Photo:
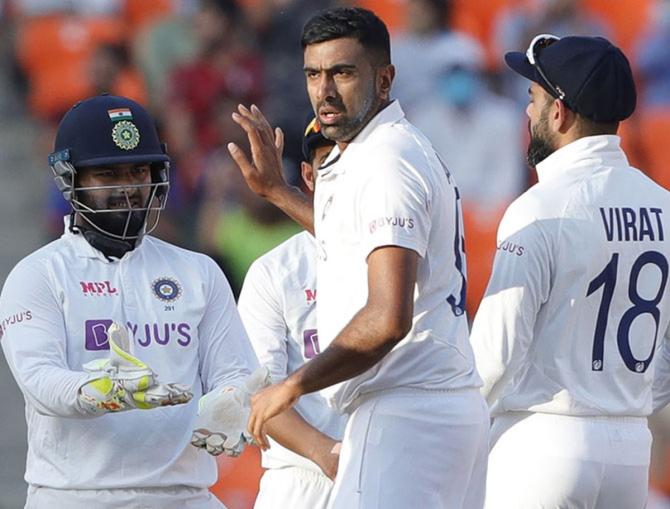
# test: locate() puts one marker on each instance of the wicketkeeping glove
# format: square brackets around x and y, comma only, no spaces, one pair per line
[223,414]
[124,382]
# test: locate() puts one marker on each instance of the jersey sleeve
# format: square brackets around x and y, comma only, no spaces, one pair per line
[502,331]
[226,356]
[33,338]
[261,309]
[393,205]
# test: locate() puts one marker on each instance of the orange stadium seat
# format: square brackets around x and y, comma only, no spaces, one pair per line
[54,51]
[478,19]
[628,20]
[239,478]
[392,12]
[654,137]
[140,13]
[480,249]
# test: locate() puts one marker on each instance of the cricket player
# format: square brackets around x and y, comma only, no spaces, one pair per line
[577,306]
[395,354]
[278,309]
[109,332]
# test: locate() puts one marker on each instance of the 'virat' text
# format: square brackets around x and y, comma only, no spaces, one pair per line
[628,224]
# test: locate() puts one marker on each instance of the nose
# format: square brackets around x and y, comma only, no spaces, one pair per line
[325,87]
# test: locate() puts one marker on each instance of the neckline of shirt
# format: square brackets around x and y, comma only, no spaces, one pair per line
[584,152]
[85,250]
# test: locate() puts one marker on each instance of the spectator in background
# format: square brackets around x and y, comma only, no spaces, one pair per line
[523,19]
[279,25]
[476,132]
[428,26]
[164,45]
[226,66]
[110,71]
[653,59]
[234,226]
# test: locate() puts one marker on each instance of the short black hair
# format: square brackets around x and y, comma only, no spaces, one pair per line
[355,22]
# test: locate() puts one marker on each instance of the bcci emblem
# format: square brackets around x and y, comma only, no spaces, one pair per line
[125,135]
[166,289]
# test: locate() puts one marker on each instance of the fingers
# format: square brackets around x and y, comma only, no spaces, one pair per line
[215,443]
[240,158]
[256,428]
[263,124]
[259,123]
[244,119]
[279,141]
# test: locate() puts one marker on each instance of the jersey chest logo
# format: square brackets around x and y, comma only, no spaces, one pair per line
[98,288]
[166,289]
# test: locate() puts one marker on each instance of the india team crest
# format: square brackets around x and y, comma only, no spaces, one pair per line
[166,289]
[125,135]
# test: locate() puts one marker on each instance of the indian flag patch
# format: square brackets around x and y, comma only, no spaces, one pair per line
[120,114]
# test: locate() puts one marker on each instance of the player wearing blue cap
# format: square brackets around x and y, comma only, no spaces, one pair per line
[90,321]
[567,336]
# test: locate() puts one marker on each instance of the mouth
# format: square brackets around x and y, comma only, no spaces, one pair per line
[329,116]
[122,203]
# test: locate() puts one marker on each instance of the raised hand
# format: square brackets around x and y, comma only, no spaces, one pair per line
[263,173]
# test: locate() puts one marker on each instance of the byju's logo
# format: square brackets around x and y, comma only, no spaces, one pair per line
[311,339]
[96,334]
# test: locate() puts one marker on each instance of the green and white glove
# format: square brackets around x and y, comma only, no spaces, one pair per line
[223,415]
[124,382]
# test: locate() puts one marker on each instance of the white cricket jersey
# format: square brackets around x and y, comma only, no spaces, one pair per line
[389,188]
[55,308]
[278,309]
[577,305]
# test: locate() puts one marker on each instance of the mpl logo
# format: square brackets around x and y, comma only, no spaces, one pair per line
[310,295]
[96,334]
[98,288]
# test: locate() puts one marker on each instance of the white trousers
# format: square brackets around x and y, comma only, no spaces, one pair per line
[293,488]
[564,462]
[414,449]
[178,497]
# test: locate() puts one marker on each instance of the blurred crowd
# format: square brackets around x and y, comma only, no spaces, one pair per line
[192,61]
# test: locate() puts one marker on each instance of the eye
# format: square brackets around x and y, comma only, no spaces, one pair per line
[311,74]
[140,170]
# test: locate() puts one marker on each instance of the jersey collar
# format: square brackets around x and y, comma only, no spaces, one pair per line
[587,152]
[83,249]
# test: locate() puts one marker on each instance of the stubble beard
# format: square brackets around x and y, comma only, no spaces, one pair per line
[541,144]
[113,222]
[349,127]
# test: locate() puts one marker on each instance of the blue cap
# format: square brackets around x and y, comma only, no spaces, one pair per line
[594,74]
[107,129]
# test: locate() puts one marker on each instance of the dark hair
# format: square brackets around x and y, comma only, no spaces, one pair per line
[355,22]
